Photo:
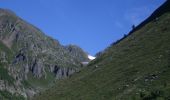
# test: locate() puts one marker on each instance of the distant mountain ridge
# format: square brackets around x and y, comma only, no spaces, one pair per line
[31,59]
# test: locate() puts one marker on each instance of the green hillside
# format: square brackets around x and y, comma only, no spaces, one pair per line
[135,68]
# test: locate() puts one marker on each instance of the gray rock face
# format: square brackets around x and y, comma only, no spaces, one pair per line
[3,57]
[30,93]
[63,72]
[26,71]
[38,68]
[20,57]
[28,52]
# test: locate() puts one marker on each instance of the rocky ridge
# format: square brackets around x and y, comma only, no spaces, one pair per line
[26,53]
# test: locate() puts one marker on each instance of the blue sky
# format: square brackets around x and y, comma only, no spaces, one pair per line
[91,24]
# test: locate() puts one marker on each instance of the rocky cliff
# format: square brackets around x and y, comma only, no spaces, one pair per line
[28,55]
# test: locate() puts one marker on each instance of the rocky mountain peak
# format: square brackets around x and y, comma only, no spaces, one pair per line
[29,54]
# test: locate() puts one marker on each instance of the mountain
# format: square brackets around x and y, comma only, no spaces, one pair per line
[136,67]
[77,52]
[30,61]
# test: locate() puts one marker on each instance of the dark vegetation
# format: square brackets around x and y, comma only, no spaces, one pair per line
[5,76]
[5,95]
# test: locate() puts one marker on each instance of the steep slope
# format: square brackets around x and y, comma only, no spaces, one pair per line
[29,60]
[135,68]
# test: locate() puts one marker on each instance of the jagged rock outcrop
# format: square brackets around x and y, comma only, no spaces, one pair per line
[29,54]
[63,72]
[38,68]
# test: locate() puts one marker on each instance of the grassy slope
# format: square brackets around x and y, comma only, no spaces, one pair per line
[138,67]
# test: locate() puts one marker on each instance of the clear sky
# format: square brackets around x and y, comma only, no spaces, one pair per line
[91,24]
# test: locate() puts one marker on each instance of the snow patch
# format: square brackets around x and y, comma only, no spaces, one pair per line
[91,57]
